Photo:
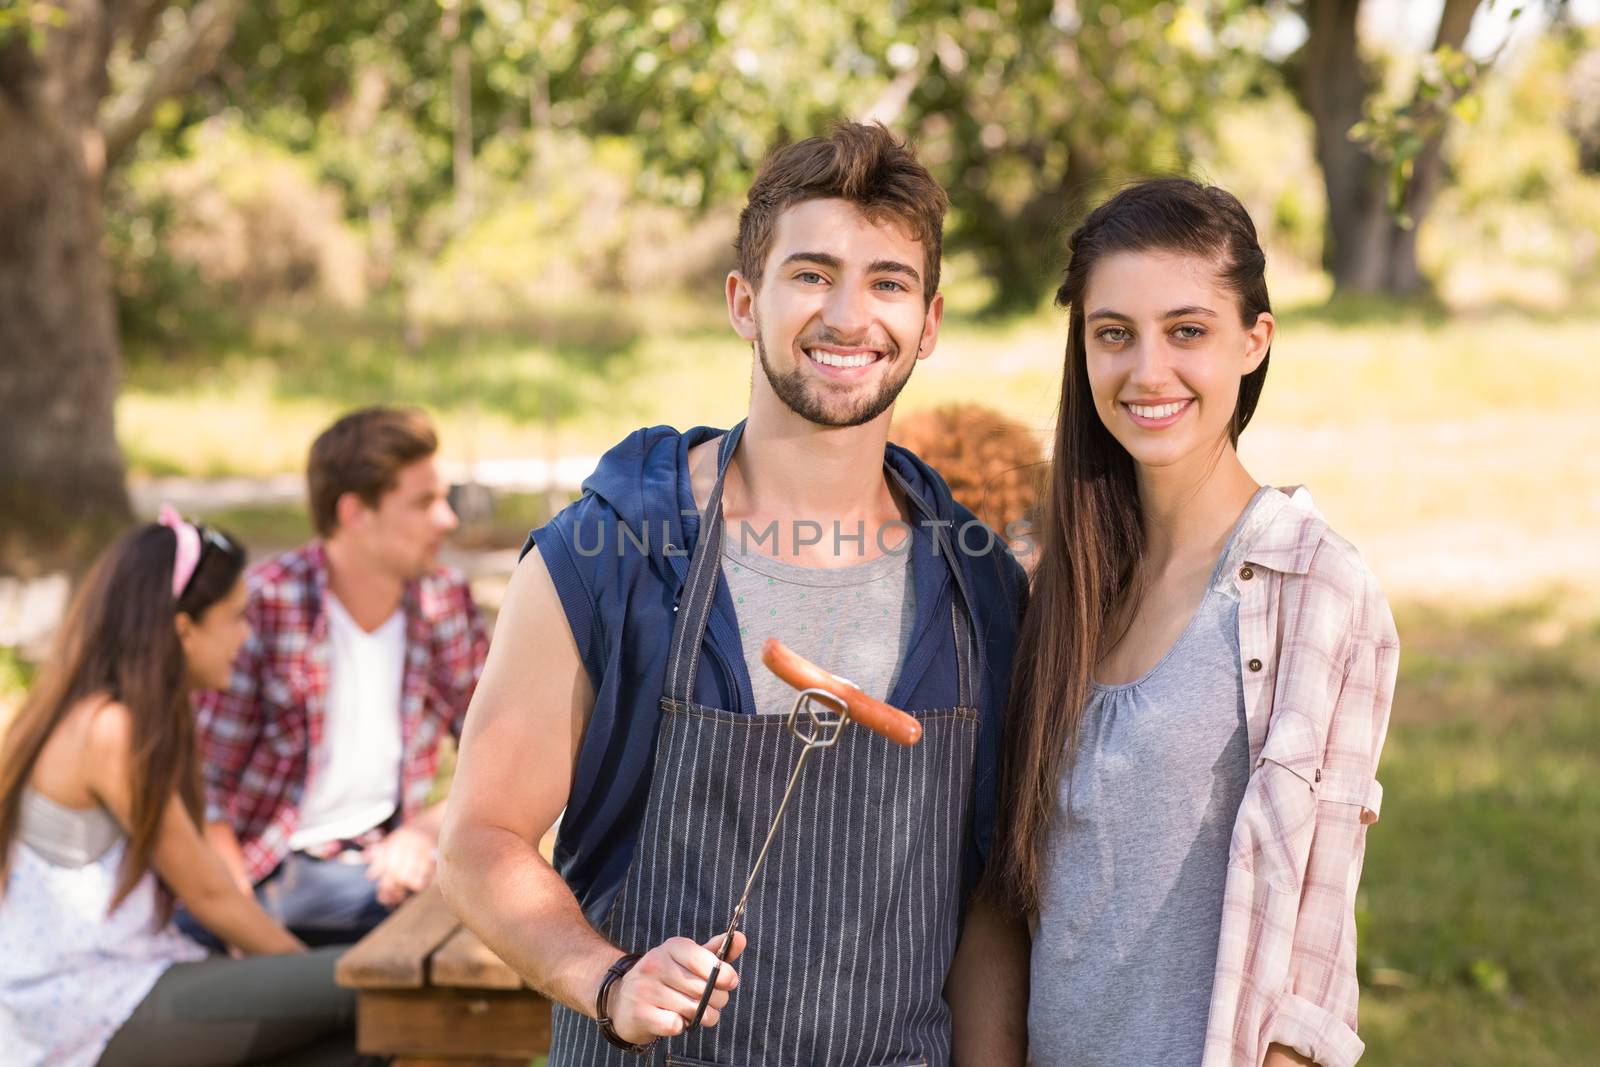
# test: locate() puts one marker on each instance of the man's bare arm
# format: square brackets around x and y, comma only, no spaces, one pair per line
[512,780]
[988,989]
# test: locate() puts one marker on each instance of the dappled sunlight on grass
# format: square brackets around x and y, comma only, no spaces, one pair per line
[1478,945]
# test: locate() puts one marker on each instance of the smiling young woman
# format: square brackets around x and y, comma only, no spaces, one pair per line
[1203,679]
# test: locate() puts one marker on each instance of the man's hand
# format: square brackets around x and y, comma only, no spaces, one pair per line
[659,996]
[402,864]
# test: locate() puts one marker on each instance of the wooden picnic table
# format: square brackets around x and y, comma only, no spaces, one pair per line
[431,995]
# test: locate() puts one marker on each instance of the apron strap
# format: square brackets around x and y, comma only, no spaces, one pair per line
[966,653]
[693,608]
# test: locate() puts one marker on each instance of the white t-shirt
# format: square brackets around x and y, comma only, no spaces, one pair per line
[353,781]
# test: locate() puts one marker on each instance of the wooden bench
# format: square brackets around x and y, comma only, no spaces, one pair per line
[431,995]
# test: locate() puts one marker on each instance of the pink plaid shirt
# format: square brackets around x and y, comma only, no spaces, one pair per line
[1319,655]
[256,736]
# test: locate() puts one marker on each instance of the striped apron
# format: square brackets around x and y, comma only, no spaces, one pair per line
[853,921]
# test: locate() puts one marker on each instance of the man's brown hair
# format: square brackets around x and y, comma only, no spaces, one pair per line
[864,164]
[363,453]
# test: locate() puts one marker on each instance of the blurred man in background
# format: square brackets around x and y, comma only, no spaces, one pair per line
[320,756]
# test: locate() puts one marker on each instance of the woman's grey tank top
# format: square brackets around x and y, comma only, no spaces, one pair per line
[66,837]
[1131,906]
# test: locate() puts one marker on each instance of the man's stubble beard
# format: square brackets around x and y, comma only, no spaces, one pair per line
[791,388]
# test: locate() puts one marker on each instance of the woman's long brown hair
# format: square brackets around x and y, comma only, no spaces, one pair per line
[1091,529]
[119,642]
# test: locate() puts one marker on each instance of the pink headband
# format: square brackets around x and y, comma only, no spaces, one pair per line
[188,555]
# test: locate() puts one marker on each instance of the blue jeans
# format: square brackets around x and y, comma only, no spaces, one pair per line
[322,902]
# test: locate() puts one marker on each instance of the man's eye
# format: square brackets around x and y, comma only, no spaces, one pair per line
[894,286]
[810,277]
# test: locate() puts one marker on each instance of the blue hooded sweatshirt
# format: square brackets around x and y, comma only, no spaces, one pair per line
[619,556]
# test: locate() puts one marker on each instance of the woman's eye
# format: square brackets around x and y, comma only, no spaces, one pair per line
[1190,333]
[1115,335]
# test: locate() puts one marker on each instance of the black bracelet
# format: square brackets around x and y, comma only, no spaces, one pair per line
[603,1018]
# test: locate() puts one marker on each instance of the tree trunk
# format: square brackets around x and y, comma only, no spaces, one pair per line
[1365,247]
[61,470]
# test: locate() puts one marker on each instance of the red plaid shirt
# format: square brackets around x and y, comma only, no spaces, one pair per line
[1319,656]
[256,736]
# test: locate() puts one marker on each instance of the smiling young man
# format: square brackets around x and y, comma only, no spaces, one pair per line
[625,688]
[320,756]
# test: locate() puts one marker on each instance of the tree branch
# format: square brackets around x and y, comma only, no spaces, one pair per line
[136,22]
[180,62]
[1454,22]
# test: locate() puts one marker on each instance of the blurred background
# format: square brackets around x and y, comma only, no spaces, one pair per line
[222,223]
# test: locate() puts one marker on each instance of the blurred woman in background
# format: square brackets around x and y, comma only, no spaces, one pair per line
[100,830]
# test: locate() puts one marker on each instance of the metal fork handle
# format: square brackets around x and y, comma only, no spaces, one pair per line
[820,736]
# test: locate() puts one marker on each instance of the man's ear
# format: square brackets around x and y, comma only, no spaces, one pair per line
[742,306]
[350,508]
[930,326]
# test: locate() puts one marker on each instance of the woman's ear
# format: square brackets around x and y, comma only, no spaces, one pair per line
[185,627]
[1258,341]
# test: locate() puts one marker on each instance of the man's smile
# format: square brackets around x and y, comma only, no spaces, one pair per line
[843,363]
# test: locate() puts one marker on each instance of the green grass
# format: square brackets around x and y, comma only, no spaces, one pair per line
[1479,940]
[247,402]
[268,528]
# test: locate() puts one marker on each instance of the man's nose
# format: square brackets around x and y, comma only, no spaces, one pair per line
[847,314]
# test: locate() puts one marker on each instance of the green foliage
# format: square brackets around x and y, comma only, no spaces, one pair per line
[16,674]
[1397,132]
[568,232]
[1031,112]
[1260,150]
[602,135]
[234,222]
[29,19]
[1521,220]
[1027,109]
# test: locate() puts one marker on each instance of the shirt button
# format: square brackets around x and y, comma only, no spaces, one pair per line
[1246,573]
[1255,665]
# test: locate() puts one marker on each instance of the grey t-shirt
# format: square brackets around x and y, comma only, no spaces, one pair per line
[853,621]
[1131,904]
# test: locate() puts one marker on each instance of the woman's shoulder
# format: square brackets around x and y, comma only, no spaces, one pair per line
[1334,578]
[95,733]
[108,729]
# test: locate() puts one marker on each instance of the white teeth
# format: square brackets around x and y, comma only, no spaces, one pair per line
[829,359]
[1159,411]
